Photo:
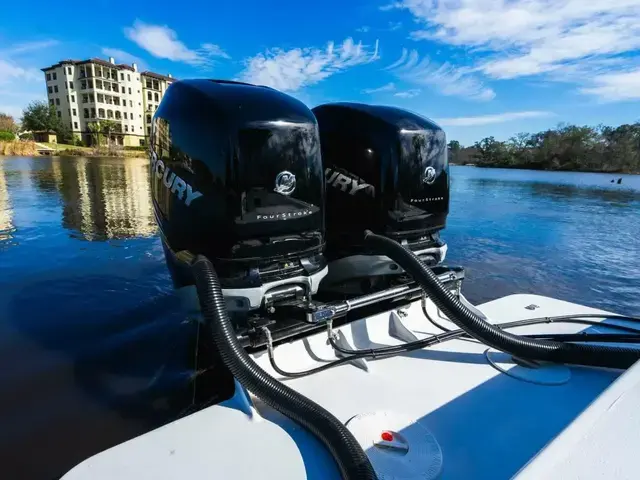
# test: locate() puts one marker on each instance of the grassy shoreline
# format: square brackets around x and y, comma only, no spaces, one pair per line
[30,149]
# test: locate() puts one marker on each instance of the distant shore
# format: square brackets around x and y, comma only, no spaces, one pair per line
[522,167]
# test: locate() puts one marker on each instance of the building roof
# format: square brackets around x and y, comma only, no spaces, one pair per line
[105,63]
[158,76]
[98,61]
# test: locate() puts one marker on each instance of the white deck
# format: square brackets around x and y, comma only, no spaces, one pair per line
[488,424]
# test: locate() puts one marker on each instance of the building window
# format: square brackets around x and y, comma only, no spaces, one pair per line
[128,77]
[149,96]
[125,115]
[100,98]
[142,142]
[90,83]
[75,125]
[73,112]
[148,130]
[55,88]
[122,77]
[85,98]
[69,70]
[148,83]
[98,71]
[129,90]
[86,113]
[48,77]
[83,84]
[101,112]
[107,86]
[108,99]
[54,76]
[148,118]
[70,84]
[156,86]
[155,97]
[131,103]
[92,98]
[82,73]
[69,111]
[67,98]
[57,101]
[50,89]
[126,128]
[73,98]
[99,84]
[116,101]
[116,89]
[59,114]
[118,116]
[51,102]
[109,113]
[93,113]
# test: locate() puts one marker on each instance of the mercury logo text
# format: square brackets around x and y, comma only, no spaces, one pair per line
[348,183]
[173,182]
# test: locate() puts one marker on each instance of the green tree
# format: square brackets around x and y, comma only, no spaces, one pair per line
[454,151]
[96,133]
[108,127]
[40,116]
[491,152]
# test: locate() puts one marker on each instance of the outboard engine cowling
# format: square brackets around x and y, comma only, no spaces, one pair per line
[236,175]
[386,170]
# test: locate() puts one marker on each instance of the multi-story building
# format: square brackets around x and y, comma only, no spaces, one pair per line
[86,91]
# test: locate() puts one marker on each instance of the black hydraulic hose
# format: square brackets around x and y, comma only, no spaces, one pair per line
[352,461]
[478,328]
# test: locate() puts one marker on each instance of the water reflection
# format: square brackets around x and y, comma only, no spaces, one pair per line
[102,198]
[612,194]
[6,210]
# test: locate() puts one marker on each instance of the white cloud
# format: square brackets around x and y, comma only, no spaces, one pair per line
[162,42]
[10,71]
[529,37]
[389,87]
[412,92]
[446,78]
[21,83]
[393,26]
[32,46]
[291,70]
[121,56]
[615,86]
[363,29]
[491,119]
[214,50]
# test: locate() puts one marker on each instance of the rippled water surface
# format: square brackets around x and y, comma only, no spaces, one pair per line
[94,348]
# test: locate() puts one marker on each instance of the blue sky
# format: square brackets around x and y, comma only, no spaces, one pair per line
[478,67]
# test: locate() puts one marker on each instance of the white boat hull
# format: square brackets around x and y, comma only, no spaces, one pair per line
[486,423]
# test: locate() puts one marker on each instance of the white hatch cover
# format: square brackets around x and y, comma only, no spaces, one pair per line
[398,446]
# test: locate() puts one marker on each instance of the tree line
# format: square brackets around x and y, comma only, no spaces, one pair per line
[566,147]
[40,116]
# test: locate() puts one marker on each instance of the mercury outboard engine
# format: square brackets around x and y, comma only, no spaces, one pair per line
[236,176]
[386,170]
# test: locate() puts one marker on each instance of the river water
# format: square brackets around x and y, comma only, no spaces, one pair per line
[95,350]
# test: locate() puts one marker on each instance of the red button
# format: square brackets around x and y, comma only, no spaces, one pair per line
[387,436]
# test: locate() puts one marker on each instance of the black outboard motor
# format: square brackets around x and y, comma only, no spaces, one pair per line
[236,175]
[386,170]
